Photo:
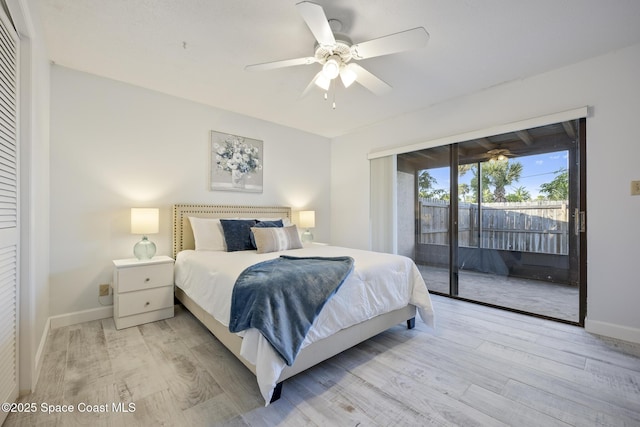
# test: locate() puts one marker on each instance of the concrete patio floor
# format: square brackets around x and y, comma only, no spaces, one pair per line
[532,296]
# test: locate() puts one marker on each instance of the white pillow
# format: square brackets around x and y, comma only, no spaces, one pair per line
[207,233]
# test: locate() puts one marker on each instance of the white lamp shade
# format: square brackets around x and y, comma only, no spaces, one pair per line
[307,219]
[331,68]
[144,221]
[322,82]
[348,76]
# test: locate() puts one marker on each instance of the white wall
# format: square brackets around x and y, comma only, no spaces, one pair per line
[115,146]
[608,84]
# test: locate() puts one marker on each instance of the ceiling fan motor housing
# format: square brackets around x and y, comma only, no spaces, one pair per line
[342,49]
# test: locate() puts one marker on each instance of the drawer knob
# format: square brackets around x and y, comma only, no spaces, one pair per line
[146,304]
[147,280]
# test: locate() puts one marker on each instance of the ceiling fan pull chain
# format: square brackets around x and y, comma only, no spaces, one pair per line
[333,86]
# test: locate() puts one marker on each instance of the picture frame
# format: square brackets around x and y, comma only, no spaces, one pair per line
[236,163]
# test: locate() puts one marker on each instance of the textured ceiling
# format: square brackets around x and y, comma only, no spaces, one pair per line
[197,49]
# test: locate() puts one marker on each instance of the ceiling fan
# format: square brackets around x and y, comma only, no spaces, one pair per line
[335,51]
[499,154]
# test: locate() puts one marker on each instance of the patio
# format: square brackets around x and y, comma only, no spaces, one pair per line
[533,296]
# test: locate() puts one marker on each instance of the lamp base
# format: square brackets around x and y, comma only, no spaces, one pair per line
[144,249]
[307,237]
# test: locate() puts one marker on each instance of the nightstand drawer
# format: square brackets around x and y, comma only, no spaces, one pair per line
[145,301]
[145,277]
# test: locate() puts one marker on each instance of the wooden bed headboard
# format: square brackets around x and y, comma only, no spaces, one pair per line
[183,235]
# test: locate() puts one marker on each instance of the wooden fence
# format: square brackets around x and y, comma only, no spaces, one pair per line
[539,226]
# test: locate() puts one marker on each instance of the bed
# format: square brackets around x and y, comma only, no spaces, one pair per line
[204,280]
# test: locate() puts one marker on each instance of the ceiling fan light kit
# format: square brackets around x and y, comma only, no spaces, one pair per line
[499,154]
[334,52]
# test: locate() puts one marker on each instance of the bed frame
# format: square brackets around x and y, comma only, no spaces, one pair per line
[308,356]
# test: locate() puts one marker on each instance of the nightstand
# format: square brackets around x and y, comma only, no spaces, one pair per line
[142,290]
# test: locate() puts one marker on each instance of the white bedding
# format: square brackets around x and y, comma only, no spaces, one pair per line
[379,283]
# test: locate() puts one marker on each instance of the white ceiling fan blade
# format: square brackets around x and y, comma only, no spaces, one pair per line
[317,21]
[393,43]
[280,64]
[368,80]
[311,84]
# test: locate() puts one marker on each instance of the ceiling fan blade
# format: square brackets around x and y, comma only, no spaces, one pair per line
[393,43]
[317,21]
[280,64]
[310,86]
[368,80]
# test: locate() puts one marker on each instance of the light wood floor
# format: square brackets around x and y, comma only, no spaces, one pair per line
[479,367]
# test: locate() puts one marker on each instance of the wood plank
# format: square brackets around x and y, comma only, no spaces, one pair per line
[280,413]
[387,404]
[234,378]
[215,411]
[506,410]
[159,409]
[188,380]
[452,358]
[566,410]
[624,392]
[57,340]
[604,350]
[624,381]
[100,393]
[190,330]
[88,364]
[322,405]
[526,341]
[403,360]
[440,407]
[587,396]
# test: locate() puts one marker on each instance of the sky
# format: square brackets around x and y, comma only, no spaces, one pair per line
[536,170]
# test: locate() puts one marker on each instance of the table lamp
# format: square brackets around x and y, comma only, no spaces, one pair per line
[307,219]
[144,221]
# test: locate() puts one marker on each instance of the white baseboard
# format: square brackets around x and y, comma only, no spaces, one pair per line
[81,316]
[612,330]
[39,353]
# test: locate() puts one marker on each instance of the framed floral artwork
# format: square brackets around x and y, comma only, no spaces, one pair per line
[236,163]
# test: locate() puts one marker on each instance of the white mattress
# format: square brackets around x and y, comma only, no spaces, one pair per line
[379,283]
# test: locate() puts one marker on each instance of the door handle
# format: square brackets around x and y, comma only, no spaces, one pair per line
[579,221]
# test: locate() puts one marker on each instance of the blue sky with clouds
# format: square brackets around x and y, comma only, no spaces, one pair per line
[536,170]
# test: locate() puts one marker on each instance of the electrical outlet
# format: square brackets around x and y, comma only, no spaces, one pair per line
[103,290]
[635,188]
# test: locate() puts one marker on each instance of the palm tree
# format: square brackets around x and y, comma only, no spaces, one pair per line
[520,195]
[500,174]
[463,190]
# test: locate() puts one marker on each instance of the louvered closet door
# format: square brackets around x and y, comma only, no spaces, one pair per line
[9,233]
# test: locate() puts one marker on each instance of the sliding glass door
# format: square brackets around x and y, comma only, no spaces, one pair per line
[500,220]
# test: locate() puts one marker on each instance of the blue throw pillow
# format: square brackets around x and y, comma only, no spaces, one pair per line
[265,224]
[237,234]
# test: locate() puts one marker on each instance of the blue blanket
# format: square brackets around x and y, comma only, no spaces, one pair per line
[282,297]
